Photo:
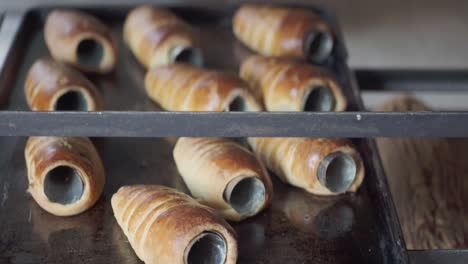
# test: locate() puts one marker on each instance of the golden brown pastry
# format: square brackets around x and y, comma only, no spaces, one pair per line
[54,86]
[158,37]
[284,32]
[223,175]
[167,226]
[65,174]
[322,166]
[285,85]
[182,87]
[80,39]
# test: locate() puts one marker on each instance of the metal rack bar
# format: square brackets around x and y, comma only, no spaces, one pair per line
[412,80]
[452,256]
[280,124]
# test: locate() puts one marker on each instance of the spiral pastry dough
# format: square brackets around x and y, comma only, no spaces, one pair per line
[224,176]
[53,86]
[285,85]
[80,39]
[322,166]
[65,174]
[182,87]
[284,32]
[158,37]
[166,226]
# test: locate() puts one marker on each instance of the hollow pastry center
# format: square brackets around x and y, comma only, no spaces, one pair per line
[63,185]
[90,52]
[237,105]
[320,99]
[186,54]
[206,248]
[71,101]
[246,195]
[318,45]
[337,172]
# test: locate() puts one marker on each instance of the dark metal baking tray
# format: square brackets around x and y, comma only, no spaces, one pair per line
[297,228]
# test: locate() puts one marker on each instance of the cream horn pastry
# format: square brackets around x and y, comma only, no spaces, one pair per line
[65,174]
[54,86]
[322,166]
[183,87]
[167,226]
[81,40]
[223,175]
[157,37]
[286,85]
[284,32]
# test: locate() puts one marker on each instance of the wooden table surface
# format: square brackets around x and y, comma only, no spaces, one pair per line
[429,183]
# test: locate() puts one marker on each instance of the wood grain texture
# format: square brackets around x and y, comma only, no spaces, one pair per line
[44,154]
[64,30]
[209,165]
[428,181]
[161,222]
[182,87]
[276,31]
[47,80]
[152,33]
[296,160]
[284,85]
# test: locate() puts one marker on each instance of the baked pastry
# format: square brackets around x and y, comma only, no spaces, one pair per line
[80,39]
[284,32]
[65,174]
[167,226]
[323,166]
[285,85]
[182,87]
[223,175]
[158,37]
[54,86]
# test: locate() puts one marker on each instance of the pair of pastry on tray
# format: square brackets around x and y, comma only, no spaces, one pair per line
[158,37]
[77,42]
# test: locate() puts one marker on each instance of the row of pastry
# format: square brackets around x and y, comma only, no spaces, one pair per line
[168,46]
[66,175]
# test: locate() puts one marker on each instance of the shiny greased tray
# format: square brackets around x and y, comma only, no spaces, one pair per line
[297,228]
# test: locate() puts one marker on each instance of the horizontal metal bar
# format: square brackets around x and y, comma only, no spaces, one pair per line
[266,124]
[27,4]
[412,80]
[450,256]
[437,101]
